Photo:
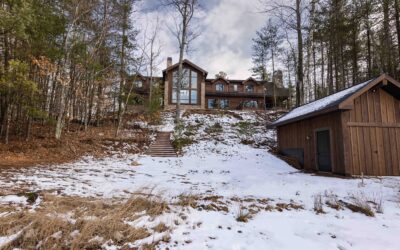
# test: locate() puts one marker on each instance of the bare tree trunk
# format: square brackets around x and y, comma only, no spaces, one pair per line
[122,75]
[397,16]
[273,75]
[388,66]
[300,75]
[180,69]
[60,116]
[7,118]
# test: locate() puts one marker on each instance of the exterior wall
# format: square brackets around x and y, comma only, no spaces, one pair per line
[235,98]
[301,135]
[373,131]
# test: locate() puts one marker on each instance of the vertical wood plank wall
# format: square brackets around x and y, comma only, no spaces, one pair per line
[294,135]
[373,131]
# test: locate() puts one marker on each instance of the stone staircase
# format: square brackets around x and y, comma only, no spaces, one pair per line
[162,147]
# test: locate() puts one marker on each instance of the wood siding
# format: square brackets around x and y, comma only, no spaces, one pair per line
[373,131]
[301,135]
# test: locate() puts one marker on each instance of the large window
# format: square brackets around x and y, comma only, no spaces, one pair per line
[218,104]
[250,104]
[249,88]
[219,86]
[188,93]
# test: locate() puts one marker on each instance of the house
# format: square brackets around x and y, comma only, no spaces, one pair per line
[200,92]
[353,132]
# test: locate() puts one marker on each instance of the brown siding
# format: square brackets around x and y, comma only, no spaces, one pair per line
[301,134]
[373,130]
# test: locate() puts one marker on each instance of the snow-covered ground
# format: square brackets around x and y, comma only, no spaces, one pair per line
[229,159]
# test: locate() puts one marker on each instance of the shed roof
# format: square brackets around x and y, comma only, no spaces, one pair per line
[331,102]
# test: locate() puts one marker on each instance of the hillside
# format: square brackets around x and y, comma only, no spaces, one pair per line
[226,191]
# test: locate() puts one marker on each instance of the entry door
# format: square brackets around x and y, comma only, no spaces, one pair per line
[324,151]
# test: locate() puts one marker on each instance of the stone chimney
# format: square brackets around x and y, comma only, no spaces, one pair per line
[169,62]
[278,78]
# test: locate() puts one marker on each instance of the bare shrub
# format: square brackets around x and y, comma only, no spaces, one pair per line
[318,204]
[377,201]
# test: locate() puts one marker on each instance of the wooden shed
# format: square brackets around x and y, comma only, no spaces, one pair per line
[353,132]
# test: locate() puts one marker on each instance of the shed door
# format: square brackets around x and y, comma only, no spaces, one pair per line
[324,151]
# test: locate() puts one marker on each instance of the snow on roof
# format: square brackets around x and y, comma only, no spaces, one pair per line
[321,104]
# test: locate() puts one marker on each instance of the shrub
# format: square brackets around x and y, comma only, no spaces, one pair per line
[244,128]
[180,143]
[214,129]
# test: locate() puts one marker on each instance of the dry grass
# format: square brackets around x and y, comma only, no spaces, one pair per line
[318,204]
[187,200]
[243,215]
[361,204]
[331,200]
[160,228]
[209,203]
[79,223]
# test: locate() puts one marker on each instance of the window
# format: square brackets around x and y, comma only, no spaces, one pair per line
[219,87]
[223,104]
[188,93]
[218,104]
[138,84]
[235,87]
[249,88]
[212,104]
[250,104]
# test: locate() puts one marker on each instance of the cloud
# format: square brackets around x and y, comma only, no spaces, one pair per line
[227,28]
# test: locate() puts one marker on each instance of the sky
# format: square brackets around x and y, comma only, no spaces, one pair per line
[226,30]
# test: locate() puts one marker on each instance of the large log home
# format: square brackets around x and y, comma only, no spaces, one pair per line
[200,92]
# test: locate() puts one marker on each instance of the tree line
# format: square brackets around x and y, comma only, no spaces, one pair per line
[328,45]
[66,60]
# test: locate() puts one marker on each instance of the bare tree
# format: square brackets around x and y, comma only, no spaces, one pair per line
[152,55]
[186,10]
[290,14]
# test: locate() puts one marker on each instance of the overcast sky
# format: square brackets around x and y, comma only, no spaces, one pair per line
[227,27]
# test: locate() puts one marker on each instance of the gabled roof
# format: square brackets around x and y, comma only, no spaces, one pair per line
[219,79]
[188,63]
[251,79]
[338,101]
